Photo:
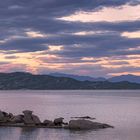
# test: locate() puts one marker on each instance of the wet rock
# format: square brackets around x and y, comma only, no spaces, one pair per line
[58,121]
[86,124]
[48,123]
[103,125]
[36,120]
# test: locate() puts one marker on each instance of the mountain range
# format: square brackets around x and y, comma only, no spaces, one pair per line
[21,80]
[78,77]
[128,78]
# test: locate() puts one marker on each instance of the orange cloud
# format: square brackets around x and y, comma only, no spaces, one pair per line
[108,14]
[131,34]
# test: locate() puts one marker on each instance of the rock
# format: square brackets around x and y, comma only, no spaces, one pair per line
[27,112]
[11,115]
[5,114]
[103,125]
[48,123]
[58,121]
[86,124]
[16,119]
[28,121]
[4,117]
[84,117]
[36,119]
[28,117]
[1,116]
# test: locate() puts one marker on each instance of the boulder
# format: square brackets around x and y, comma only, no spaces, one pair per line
[16,119]
[84,117]
[36,119]
[4,117]
[28,120]
[28,117]
[82,124]
[48,123]
[5,114]
[27,112]
[11,115]
[58,121]
[1,116]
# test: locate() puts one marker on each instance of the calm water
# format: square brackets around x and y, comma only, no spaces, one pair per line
[118,108]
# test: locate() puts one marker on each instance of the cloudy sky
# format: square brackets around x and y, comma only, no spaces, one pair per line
[85,37]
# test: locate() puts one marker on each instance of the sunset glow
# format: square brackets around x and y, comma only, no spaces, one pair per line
[95,39]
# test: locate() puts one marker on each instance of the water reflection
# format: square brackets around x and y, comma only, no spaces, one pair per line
[29,133]
[9,133]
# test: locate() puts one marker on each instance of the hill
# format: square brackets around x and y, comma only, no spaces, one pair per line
[129,78]
[78,77]
[19,80]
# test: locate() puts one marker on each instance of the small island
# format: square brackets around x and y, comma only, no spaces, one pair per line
[28,119]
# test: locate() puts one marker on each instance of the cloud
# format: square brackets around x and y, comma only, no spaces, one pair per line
[108,14]
[28,27]
[24,45]
[4,63]
[94,45]
[57,8]
[11,57]
[13,67]
[97,45]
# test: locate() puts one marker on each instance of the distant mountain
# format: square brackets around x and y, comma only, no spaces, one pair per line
[129,78]
[121,78]
[78,77]
[20,80]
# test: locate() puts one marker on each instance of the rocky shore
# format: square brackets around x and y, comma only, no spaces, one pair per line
[28,119]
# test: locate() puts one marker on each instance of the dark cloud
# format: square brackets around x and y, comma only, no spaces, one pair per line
[11,57]
[24,45]
[56,8]
[19,16]
[129,69]
[66,60]
[53,26]
[97,45]
[85,69]
[4,63]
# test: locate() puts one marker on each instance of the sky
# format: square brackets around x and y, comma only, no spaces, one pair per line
[100,38]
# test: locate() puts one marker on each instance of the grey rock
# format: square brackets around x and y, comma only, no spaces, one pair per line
[84,117]
[28,120]
[48,123]
[58,121]
[28,117]
[5,114]
[27,112]
[82,124]
[1,116]
[16,119]
[11,115]
[36,119]
[4,117]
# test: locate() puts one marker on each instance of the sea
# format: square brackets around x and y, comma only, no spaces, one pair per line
[119,108]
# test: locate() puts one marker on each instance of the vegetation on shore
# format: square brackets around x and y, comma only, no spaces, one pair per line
[20,80]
